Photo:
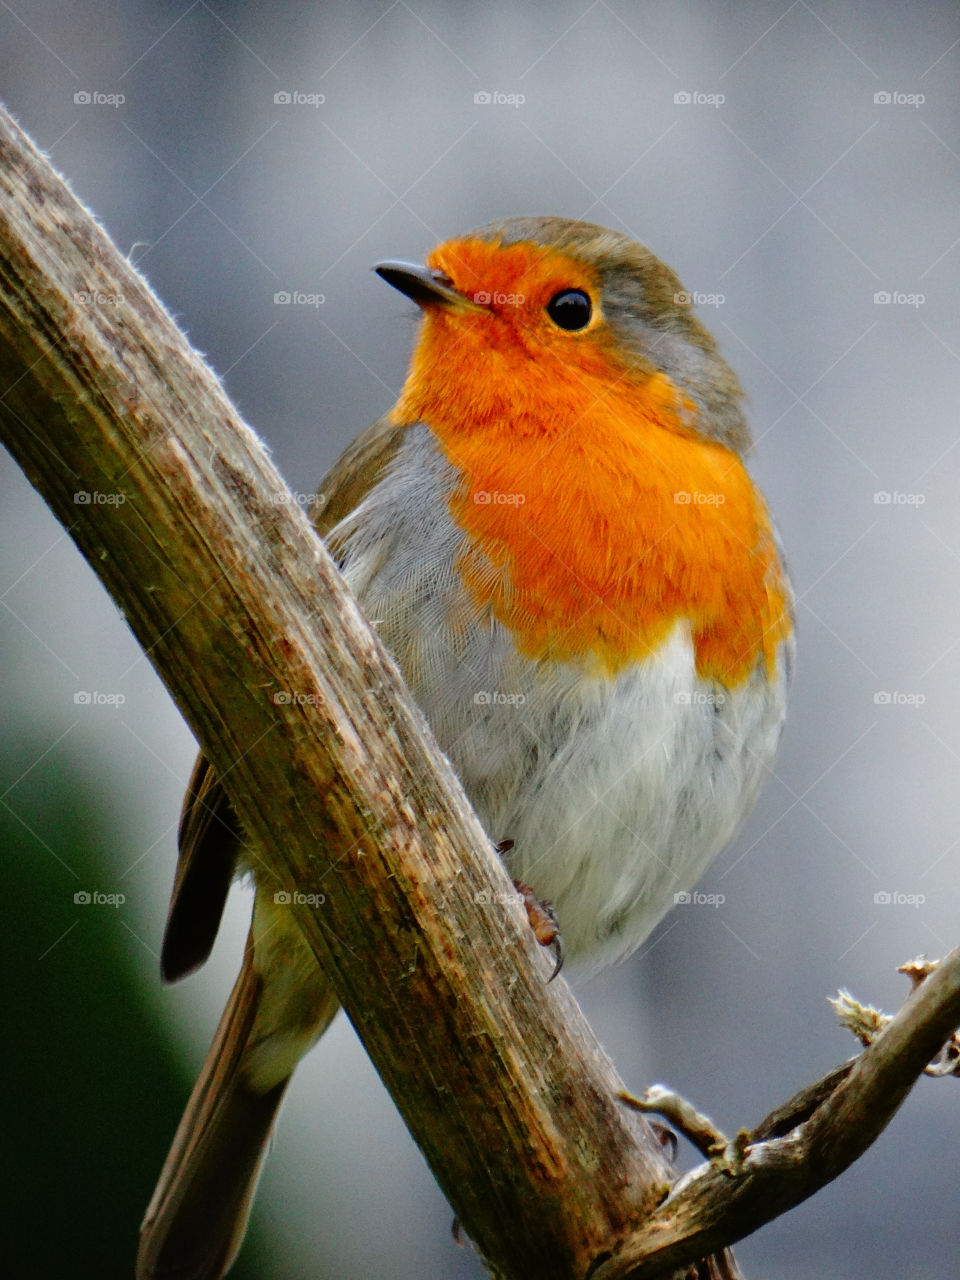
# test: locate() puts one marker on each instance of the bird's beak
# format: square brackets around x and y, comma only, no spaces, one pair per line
[425,287]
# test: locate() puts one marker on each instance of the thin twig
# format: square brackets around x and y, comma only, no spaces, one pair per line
[717,1204]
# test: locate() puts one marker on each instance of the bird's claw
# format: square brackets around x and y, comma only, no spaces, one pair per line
[544,923]
[541,915]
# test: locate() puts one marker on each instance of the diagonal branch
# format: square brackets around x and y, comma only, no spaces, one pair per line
[176,506]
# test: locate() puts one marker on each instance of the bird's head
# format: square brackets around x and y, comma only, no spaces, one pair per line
[526,314]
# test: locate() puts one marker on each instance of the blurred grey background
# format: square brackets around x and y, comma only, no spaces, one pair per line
[798,165]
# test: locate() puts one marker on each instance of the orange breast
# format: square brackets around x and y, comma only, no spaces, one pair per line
[597,517]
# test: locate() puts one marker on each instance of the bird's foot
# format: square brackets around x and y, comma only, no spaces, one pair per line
[541,915]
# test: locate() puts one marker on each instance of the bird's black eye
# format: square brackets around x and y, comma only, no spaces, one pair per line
[570,309]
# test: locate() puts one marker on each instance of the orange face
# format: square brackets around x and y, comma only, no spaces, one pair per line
[511,346]
[598,515]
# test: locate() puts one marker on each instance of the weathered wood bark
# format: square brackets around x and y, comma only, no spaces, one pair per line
[331,769]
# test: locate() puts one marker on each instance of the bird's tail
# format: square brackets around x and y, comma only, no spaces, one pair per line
[197,1217]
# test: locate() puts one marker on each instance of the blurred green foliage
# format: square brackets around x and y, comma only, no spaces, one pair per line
[92,1090]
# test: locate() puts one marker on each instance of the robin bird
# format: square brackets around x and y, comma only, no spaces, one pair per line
[556,536]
